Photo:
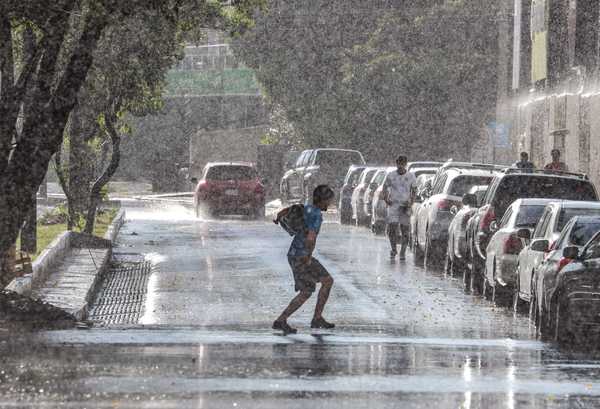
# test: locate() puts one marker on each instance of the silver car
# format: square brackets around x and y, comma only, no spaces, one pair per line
[555,217]
[505,245]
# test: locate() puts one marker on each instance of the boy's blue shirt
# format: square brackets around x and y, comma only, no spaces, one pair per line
[313,218]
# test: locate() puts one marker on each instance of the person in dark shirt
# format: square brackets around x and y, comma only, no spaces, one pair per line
[524,163]
[307,270]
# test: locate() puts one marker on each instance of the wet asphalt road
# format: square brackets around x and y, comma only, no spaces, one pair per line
[406,337]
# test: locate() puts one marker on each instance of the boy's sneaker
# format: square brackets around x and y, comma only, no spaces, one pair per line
[283,325]
[402,255]
[393,253]
[321,323]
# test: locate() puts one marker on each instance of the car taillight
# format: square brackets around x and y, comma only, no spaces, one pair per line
[444,205]
[487,219]
[512,245]
[563,262]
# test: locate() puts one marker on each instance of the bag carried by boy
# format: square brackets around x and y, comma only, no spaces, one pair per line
[291,219]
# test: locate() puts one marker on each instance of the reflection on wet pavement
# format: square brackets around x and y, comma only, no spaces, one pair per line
[406,337]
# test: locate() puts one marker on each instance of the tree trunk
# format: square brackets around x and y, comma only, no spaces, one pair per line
[62,180]
[110,119]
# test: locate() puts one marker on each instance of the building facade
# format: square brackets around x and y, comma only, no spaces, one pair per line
[550,95]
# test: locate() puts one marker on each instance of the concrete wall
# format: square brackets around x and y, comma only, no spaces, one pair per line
[224,145]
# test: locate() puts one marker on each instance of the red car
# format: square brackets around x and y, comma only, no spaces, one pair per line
[230,188]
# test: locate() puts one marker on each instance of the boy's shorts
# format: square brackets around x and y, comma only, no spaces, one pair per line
[306,277]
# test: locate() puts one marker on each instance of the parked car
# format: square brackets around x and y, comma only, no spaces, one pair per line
[434,216]
[315,167]
[358,196]
[379,207]
[457,252]
[554,218]
[508,186]
[372,187]
[549,307]
[229,188]
[422,190]
[350,182]
[505,245]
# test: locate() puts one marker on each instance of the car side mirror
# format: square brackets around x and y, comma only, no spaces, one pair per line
[194,181]
[494,226]
[524,234]
[571,252]
[540,245]
[469,199]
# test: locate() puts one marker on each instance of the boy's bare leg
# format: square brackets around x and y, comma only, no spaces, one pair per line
[326,284]
[294,305]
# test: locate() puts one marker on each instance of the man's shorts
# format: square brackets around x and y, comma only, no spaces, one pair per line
[306,277]
[398,213]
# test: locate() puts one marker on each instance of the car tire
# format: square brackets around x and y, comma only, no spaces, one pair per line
[518,304]
[345,215]
[259,212]
[197,211]
[448,269]
[431,256]
[561,333]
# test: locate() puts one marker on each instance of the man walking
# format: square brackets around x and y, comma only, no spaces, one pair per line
[524,163]
[556,164]
[307,270]
[398,194]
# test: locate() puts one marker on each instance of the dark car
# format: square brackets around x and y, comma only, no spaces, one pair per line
[566,300]
[350,183]
[435,215]
[510,185]
[457,254]
[315,167]
[229,188]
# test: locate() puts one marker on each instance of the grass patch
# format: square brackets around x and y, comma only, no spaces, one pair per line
[46,233]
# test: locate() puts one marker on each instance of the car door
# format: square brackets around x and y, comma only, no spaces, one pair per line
[495,246]
[527,262]
[425,209]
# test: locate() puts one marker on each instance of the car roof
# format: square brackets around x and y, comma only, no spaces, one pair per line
[586,219]
[533,201]
[424,169]
[471,171]
[247,164]
[575,204]
[424,164]
[336,150]
[517,172]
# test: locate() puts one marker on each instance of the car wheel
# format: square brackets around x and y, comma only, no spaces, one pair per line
[485,287]
[562,335]
[418,254]
[518,303]
[345,215]
[197,211]
[534,316]
[259,212]
[448,269]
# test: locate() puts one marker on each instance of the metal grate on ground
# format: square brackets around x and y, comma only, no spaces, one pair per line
[122,295]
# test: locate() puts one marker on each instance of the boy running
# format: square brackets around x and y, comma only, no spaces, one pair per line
[307,270]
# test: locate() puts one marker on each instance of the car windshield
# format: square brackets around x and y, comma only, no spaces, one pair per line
[516,187]
[353,176]
[338,158]
[568,213]
[379,178]
[583,232]
[462,184]
[367,175]
[528,216]
[231,172]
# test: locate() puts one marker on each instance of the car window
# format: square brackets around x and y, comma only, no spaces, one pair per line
[231,172]
[462,184]
[567,213]
[369,175]
[307,157]
[338,158]
[441,182]
[515,187]
[379,177]
[506,217]
[529,215]
[560,242]
[489,194]
[593,250]
[301,158]
[354,177]
[581,233]
[541,226]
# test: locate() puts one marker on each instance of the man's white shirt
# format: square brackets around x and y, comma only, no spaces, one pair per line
[400,186]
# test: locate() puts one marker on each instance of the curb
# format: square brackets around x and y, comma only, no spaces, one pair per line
[52,255]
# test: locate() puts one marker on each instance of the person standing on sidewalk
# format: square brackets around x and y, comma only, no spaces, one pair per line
[524,163]
[307,270]
[398,194]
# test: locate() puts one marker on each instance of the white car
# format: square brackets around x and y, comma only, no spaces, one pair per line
[505,245]
[556,215]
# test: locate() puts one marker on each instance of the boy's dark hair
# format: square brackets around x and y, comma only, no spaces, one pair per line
[322,192]
[402,159]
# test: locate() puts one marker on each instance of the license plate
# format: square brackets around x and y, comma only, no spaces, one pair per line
[231,192]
